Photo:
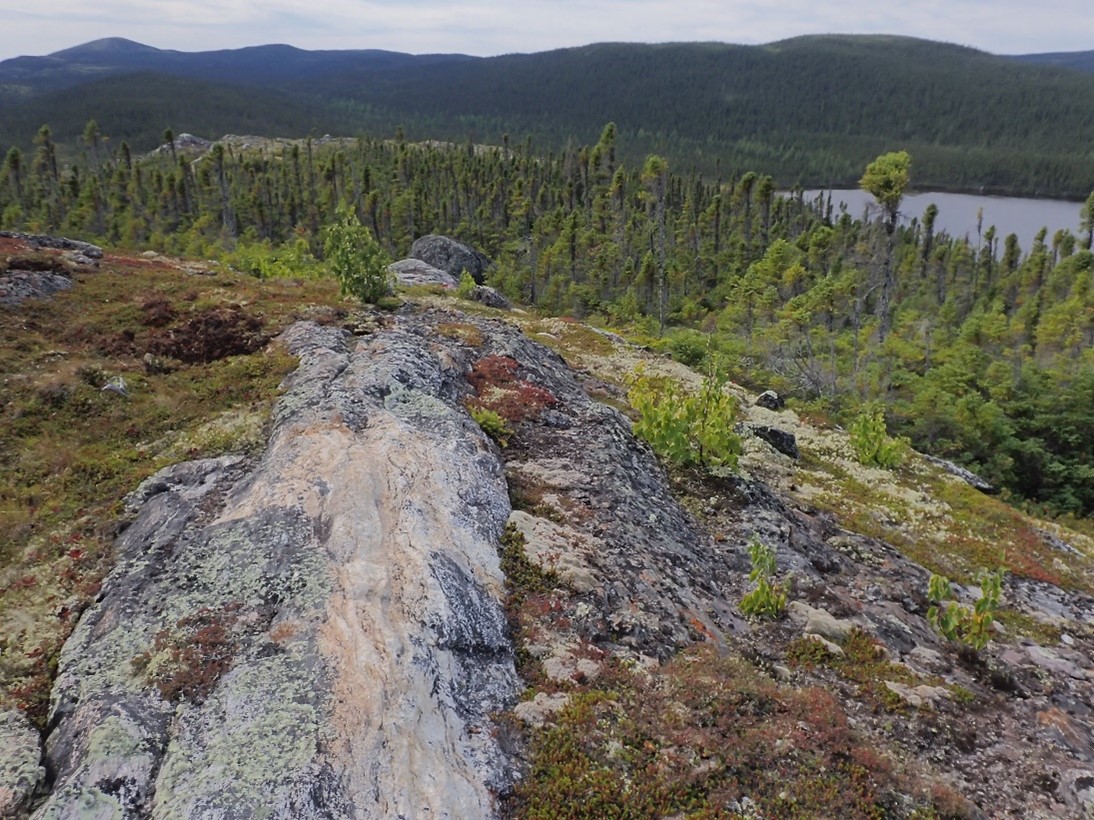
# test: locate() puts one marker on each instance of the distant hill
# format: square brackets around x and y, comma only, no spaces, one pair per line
[1075,60]
[258,65]
[810,110]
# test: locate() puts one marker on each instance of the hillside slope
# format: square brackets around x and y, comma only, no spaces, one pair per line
[365,522]
[810,110]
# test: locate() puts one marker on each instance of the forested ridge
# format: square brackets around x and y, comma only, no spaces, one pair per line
[809,111]
[978,349]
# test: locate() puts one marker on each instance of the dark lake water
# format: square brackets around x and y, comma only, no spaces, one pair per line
[957,213]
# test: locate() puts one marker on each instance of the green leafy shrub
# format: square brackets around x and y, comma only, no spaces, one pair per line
[959,623]
[871,442]
[466,287]
[687,429]
[491,423]
[768,599]
[293,260]
[356,258]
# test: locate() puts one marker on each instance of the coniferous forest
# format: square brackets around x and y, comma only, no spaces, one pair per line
[980,351]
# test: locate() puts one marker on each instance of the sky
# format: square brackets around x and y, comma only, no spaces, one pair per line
[489,27]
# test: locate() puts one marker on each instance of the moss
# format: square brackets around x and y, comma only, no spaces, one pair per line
[691,738]
[69,452]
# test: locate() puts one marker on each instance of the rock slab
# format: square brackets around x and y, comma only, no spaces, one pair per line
[347,586]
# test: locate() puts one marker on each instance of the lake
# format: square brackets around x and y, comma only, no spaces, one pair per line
[957,213]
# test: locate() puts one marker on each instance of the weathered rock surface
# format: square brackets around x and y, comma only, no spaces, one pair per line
[353,576]
[21,772]
[490,297]
[349,580]
[16,286]
[450,256]
[417,272]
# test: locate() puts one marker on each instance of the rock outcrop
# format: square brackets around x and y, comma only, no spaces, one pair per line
[323,631]
[450,256]
[319,634]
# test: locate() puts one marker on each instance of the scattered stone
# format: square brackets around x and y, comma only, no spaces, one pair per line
[770,400]
[21,772]
[918,696]
[450,256]
[781,440]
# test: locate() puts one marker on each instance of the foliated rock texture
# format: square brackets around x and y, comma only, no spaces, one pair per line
[317,635]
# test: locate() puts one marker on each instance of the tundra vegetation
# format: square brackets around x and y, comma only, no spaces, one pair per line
[985,358]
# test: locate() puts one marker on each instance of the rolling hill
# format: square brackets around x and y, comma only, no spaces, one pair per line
[810,110]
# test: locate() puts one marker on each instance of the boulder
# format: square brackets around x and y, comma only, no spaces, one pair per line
[490,297]
[450,256]
[770,400]
[969,477]
[781,440]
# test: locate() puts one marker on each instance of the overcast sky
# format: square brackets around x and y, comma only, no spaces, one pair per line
[488,27]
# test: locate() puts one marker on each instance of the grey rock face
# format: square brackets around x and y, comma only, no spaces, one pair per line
[450,256]
[323,627]
[21,772]
[19,285]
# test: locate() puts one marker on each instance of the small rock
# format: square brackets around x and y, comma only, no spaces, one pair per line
[490,298]
[969,477]
[929,659]
[834,649]
[1067,640]
[820,622]
[770,400]
[537,711]
[917,696]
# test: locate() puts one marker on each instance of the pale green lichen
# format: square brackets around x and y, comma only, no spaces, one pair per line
[408,403]
[268,707]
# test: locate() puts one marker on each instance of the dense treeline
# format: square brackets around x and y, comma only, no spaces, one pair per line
[809,111]
[981,350]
